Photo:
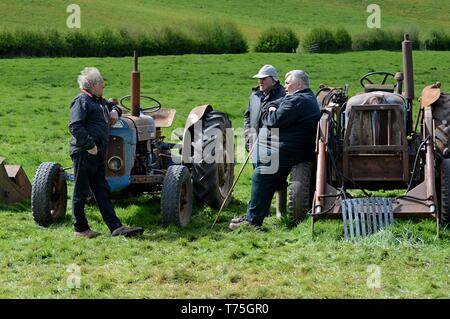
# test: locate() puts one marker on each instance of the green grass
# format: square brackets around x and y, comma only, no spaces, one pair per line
[280,261]
[252,19]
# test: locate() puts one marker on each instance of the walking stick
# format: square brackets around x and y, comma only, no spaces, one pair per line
[235,182]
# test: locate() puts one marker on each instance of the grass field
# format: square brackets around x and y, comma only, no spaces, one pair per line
[280,261]
[250,17]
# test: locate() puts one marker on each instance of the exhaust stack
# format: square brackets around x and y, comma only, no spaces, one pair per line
[408,68]
[135,87]
[408,79]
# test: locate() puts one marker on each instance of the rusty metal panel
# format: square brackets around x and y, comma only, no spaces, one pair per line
[14,183]
[163,117]
[375,168]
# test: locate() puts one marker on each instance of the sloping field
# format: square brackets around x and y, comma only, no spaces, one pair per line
[251,17]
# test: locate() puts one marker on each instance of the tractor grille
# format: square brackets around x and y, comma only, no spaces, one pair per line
[364,216]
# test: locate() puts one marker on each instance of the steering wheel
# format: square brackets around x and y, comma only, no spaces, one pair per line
[368,75]
[151,108]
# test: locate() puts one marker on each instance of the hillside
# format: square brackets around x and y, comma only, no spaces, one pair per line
[300,15]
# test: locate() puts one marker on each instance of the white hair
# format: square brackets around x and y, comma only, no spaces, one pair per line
[89,77]
[299,76]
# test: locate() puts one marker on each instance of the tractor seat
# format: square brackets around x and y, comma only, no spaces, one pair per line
[379,87]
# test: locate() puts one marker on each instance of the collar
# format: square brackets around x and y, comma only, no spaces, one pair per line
[92,96]
[302,91]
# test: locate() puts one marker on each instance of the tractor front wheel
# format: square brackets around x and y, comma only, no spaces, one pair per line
[176,196]
[49,194]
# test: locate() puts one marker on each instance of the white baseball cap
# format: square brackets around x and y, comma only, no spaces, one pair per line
[267,70]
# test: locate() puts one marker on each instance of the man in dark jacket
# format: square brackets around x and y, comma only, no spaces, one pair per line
[295,116]
[90,117]
[268,90]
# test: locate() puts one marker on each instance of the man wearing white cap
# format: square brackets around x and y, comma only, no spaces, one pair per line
[268,90]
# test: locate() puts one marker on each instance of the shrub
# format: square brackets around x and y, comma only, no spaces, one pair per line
[8,45]
[81,44]
[214,38]
[343,40]
[279,39]
[217,37]
[377,39]
[319,40]
[57,45]
[437,40]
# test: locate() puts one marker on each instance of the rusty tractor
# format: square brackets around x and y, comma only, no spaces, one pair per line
[140,161]
[368,141]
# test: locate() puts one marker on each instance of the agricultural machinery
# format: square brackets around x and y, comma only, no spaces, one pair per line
[14,183]
[139,161]
[368,141]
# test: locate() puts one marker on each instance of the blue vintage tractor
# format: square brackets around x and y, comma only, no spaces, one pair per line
[140,161]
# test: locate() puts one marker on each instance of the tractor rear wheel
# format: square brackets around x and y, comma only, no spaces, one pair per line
[445,191]
[441,115]
[176,196]
[49,194]
[299,191]
[213,169]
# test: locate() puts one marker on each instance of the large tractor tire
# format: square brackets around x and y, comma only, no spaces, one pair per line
[299,191]
[213,179]
[49,194]
[445,191]
[176,196]
[441,116]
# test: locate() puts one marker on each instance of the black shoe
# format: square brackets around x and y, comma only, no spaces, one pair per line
[128,231]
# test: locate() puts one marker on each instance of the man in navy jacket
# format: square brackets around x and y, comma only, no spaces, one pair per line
[295,117]
[90,117]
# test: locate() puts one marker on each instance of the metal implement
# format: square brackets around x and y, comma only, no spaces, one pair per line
[367,141]
[14,183]
[364,216]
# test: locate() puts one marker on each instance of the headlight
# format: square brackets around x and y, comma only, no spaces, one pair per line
[115,163]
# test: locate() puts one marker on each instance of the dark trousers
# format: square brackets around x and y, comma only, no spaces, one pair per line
[263,189]
[89,173]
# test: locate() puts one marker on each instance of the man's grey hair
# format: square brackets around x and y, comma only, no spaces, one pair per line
[88,77]
[299,76]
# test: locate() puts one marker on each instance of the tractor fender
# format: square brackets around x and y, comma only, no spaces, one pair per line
[430,94]
[194,116]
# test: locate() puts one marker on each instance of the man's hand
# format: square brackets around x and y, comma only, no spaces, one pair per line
[93,151]
[113,117]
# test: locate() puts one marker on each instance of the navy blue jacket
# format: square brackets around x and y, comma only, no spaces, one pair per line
[296,117]
[88,124]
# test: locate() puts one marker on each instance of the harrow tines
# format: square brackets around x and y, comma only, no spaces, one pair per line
[364,216]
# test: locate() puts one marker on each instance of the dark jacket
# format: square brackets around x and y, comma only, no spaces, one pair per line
[253,113]
[88,123]
[296,117]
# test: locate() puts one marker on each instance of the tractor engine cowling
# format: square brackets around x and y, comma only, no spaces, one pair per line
[129,145]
